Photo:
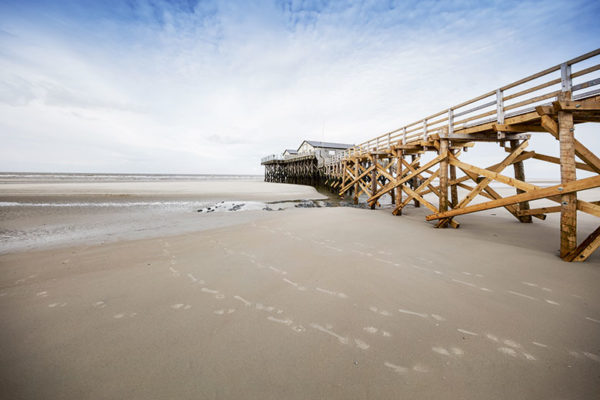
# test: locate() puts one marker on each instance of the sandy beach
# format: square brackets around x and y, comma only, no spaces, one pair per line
[293,304]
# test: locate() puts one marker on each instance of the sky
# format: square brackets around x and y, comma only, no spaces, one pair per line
[150,86]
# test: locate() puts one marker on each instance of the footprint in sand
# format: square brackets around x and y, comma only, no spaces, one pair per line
[124,315]
[99,304]
[380,312]
[224,311]
[181,306]
[374,331]
[445,352]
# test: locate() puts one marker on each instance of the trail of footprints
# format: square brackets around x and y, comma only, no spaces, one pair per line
[275,315]
[506,347]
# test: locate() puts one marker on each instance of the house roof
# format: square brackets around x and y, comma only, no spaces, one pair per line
[291,151]
[327,145]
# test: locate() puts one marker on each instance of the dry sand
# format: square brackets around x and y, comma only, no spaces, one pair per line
[306,303]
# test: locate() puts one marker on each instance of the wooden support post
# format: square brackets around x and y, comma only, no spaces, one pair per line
[399,157]
[356,188]
[519,170]
[391,171]
[412,160]
[568,212]
[373,179]
[453,187]
[443,176]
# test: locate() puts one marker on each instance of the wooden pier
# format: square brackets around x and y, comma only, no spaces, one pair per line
[424,157]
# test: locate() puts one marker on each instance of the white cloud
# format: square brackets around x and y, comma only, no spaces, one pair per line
[163,89]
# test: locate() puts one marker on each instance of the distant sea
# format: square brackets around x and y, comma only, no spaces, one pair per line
[54,177]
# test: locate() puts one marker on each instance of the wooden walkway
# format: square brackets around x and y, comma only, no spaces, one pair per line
[551,102]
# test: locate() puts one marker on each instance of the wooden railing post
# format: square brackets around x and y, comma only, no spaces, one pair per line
[499,107]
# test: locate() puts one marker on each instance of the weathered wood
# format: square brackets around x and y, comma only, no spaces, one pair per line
[541,210]
[548,192]
[486,181]
[356,186]
[417,190]
[399,160]
[373,179]
[443,189]
[568,213]
[519,170]
[580,150]
[358,178]
[453,187]
[405,178]
[414,161]
[586,248]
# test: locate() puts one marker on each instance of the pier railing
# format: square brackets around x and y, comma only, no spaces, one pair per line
[495,106]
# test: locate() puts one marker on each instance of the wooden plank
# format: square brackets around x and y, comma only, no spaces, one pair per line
[541,193]
[586,248]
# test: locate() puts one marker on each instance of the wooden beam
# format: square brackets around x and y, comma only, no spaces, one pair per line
[486,181]
[362,175]
[541,193]
[580,105]
[580,150]
[487,137]
[586,248]
[517,128]
[418,190]
[399,182]
[541,210]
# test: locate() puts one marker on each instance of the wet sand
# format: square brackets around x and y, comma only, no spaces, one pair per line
[43,215]
[299,304]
